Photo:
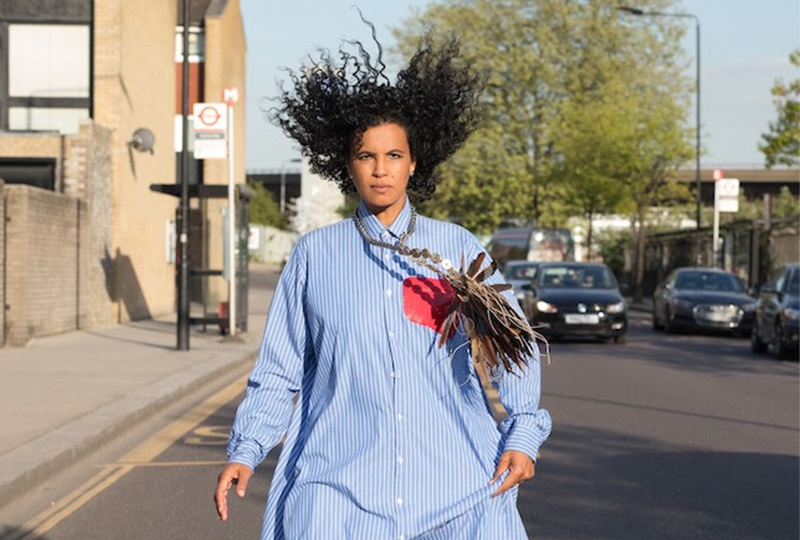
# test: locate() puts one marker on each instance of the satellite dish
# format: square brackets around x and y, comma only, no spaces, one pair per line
[143,140]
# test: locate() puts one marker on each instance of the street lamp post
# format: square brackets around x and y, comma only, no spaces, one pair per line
[283,182]
[640,13]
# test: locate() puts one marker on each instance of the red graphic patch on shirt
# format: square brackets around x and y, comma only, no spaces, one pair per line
[425,301]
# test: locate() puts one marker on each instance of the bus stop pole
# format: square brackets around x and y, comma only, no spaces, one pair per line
[231,229]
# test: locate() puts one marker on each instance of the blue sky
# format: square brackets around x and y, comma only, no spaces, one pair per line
[744,45]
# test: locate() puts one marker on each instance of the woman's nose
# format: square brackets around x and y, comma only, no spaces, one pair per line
[380,167]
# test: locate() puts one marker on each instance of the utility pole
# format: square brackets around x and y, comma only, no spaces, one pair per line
[183,233]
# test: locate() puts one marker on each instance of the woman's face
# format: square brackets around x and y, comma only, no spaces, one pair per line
[380,169]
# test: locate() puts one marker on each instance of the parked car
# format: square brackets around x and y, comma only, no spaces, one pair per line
[578,299]
[520,274]
[702,298]
[777,315]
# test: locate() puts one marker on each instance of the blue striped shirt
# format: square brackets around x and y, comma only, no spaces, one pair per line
[392,437]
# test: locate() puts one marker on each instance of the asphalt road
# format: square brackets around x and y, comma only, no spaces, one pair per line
[667,437]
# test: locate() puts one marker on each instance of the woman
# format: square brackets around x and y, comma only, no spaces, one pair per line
[392,436]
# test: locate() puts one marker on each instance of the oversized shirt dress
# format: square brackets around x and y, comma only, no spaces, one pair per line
[387,435]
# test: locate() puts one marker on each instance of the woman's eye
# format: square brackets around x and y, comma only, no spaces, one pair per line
[363,157]
[395,156]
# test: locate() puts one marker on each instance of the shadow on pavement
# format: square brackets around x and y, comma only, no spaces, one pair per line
[605,486]
[16,533]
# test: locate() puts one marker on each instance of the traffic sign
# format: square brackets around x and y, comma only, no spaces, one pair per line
[230,95]
[727,194]
[210,125]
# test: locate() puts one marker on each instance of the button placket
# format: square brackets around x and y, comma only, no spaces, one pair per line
[391,313]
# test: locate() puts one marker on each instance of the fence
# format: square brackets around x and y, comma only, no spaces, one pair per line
[752,250]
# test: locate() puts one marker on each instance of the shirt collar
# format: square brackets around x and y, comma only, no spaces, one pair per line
[374,226]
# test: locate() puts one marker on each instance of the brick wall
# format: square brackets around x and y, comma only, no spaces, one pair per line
[2,264]
[225,58]
[58,265]
[135,88]
[44,237]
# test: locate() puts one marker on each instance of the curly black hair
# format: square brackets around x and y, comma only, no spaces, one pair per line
[330,105]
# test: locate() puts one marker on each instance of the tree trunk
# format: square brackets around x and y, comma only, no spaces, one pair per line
[640,241]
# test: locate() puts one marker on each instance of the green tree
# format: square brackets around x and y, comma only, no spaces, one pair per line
[547,65]
[781,144]
[264,210]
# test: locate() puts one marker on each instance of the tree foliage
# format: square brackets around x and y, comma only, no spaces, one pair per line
[264,210]
[781,144]
[584,109]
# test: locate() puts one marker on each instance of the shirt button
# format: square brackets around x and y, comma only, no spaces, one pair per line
[399,502]
[399,460]
[393,375]
[391,334]
[401,537]
[388,292]
[399,416]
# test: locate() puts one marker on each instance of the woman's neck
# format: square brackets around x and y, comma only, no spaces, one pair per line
[388,214]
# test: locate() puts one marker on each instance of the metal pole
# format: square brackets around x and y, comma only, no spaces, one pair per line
[183,234]
[697,152]
[231,231]
[715,239]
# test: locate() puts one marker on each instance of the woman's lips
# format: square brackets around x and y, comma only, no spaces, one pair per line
[381,189]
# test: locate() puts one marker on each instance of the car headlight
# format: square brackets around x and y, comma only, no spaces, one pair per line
[619,307]
[791,314]
[545,307]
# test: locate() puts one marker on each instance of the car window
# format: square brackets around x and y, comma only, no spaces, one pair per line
[520,271]
[708,281]
[577,277]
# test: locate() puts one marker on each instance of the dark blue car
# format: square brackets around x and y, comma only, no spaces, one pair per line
[777,317]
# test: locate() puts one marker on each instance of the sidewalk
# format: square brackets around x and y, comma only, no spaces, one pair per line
[63,396]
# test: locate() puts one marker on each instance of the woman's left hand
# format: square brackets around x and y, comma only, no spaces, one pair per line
[520,467]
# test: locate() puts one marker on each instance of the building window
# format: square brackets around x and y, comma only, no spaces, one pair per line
[48,61]
[36,172]
[63,120]
[48,74]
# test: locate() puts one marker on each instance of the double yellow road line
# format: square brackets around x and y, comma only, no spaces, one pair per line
[141,456]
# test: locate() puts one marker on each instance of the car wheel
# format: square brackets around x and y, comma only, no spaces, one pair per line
[756,345]
[621,339]
[781,347]
[656,325]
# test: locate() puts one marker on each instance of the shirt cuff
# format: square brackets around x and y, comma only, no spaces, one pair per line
[246,452]
[527,435]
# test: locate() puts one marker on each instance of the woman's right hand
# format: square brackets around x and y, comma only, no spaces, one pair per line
[232,473]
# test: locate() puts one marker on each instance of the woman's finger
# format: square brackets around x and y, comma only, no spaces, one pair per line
[502,466]
[511,480]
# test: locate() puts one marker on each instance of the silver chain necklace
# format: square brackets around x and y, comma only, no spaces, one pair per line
[419,256]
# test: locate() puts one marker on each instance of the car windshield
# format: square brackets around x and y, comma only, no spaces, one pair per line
[708,281]
[520,271]
[576,277]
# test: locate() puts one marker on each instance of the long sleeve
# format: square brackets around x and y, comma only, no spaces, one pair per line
[527,426]
[263,416]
